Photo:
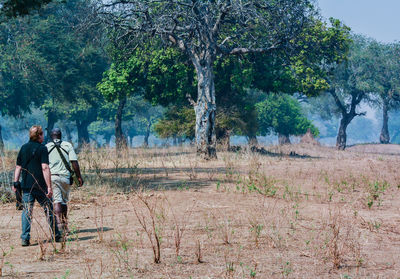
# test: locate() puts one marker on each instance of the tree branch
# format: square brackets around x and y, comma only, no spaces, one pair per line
[241,50]
[224,11]
[338,102]
[191,101]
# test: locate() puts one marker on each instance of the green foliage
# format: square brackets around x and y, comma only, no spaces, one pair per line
[177,122]
[282,114]
[382,60]
[305,69]
[17,61]
[354,75]
[15,8]
[49,64]
[170,77]
[321,48]
[123,78]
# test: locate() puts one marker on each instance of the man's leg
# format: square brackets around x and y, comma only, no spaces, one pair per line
[61,189]
[47,205]
[65,217]
[26,217]
[61,192]
[58,211]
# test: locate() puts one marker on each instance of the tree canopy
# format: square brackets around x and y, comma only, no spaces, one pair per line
[282,114]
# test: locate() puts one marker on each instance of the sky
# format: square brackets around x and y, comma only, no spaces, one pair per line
[378,19]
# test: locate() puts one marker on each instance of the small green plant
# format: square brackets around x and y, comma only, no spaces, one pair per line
[218,185]
[121,251]
[376,189]
[66,274]
[287,269]
[256,230]
[4,255]
[258,183]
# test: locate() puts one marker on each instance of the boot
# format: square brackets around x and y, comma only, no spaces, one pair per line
[59,217]
[65,218]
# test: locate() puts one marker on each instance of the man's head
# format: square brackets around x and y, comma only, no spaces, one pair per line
[36,133]
[55,133]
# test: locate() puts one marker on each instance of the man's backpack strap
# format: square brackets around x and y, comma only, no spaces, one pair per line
[57,146]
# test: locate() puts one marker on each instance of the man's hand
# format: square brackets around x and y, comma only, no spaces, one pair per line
[49,192]
[17,173]
[47,178]
[16,186]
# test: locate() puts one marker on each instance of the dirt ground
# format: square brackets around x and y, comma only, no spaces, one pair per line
[317,213]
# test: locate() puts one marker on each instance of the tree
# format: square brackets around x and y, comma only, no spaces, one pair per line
[168,78]
[205,30]
[394,127]
[351,83]
[177,123]
[60,66]
[385,65]
[283,115]
[170,82]
[120,81]
[15,8]
[144,115]
[17,93]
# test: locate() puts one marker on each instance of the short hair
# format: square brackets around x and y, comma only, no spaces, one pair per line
[35,132]
[56,133]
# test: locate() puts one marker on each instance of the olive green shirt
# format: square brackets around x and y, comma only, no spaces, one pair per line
[55,162]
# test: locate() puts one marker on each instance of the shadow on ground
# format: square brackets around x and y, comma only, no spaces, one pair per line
[95,230]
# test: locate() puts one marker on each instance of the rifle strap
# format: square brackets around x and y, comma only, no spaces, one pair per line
[63,158]
[55,147]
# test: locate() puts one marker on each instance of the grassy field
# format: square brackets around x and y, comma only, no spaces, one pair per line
[317,213]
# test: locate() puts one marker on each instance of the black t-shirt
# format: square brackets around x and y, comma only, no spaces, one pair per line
[31,157]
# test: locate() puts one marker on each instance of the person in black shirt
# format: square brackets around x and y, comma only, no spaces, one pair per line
[33,165]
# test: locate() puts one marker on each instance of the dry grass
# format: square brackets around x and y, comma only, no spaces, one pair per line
[329,214]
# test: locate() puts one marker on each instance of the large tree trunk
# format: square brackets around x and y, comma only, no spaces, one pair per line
[68,134]
[180,141]
[51,121]
[107,139]
[83,133]
[252,140]
[283,139]
[385,137]
[205,109]
[147,135]
[1,141]
[342,136]
[120,140]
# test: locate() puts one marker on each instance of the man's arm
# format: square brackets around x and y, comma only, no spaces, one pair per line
[17,174]
[77,170]
[47,178]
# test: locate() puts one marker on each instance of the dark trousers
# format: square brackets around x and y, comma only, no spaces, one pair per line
[28,199]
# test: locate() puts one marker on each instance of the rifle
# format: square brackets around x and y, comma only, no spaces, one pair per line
[18,195]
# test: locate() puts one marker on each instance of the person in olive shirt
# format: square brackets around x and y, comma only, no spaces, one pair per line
[33,165]
[60,176]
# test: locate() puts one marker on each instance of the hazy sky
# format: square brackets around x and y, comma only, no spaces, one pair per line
[378,19]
